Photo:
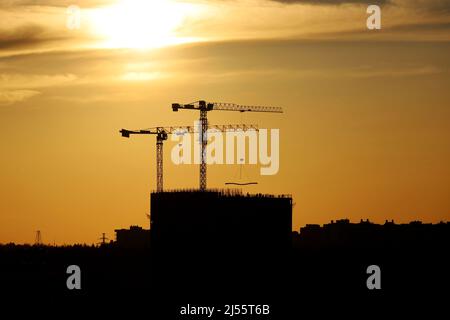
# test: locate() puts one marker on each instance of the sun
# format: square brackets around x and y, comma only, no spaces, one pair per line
[141,24]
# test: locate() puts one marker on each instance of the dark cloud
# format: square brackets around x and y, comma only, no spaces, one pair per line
[25,36]
[54,3]
[334,2]
[424,27]
[435,6]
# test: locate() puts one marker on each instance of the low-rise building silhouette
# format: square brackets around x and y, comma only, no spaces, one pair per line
[135,237]
[365,234]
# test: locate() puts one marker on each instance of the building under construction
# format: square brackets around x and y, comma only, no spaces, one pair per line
[199,234]
[219,238]
[220,218]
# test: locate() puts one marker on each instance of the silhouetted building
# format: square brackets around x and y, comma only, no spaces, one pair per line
[365,234]
[217,239]
[222,218]
[135,237]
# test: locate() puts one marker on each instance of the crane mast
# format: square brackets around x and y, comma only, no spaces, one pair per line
[159,160]
[203,142]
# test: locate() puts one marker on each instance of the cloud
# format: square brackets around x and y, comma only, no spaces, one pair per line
[16,81]
[25,36]
[140,76]
[366,72]
[333,2]
[54,3]
[127,76]
[425,26]
[14,96]
[371,72]
[434,6]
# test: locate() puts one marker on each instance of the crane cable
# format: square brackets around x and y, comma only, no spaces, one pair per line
[240,170]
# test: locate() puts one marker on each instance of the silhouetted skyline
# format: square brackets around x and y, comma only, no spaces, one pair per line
[364,133]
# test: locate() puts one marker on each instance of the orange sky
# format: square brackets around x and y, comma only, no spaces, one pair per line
[365,133]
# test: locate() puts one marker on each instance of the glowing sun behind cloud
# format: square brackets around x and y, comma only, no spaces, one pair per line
[142,24]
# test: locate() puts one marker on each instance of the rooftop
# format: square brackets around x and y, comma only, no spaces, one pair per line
[226,193]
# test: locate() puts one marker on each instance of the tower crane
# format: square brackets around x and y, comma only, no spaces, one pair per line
[162,135]
[204,107]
